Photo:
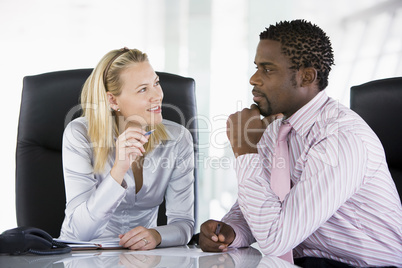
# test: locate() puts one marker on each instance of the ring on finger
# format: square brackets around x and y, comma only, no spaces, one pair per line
[146,241]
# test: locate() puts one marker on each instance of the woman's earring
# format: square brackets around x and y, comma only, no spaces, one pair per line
[118,110]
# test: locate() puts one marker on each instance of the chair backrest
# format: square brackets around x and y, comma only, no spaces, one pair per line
[48,102]
[379,103]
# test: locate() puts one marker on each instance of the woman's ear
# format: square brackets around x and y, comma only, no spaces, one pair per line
[112,101]
[309,76]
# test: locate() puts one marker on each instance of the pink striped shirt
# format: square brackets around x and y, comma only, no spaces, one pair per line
[343,204]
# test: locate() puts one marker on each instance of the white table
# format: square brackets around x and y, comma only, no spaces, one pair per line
[185,256]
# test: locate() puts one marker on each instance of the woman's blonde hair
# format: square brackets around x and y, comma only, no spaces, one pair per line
[103,125]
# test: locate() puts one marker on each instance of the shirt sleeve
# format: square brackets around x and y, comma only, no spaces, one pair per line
[90,201]
[329,178]
[180,197]
[236,220]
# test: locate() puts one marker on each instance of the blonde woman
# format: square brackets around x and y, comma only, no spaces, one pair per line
[116,170]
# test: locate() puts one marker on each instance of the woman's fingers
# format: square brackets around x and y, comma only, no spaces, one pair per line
[131,142]
[138,238]
[134,144]
[134,134]
[129,147]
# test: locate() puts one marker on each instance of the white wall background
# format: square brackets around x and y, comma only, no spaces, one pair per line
[212,41]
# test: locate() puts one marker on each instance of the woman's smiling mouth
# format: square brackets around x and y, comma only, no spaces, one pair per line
[156,109]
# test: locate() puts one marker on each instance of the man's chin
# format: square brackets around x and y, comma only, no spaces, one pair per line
[263,112]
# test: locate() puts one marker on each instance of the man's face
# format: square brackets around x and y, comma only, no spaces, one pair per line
[275,88]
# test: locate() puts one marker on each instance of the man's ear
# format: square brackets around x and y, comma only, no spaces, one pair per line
[309,76]
[112,101]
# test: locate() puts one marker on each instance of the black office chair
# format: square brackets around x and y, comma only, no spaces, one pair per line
[379,104]
[49,102]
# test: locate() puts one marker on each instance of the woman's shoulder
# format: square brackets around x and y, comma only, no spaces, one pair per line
[173,126]
[80,123]
[175,130]
[77,126]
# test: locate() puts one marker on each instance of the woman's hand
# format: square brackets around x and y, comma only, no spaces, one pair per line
[140,238]
[129,146]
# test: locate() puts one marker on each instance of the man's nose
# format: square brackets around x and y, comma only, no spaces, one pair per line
[255,79]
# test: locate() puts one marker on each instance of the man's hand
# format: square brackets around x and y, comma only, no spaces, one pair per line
[244,129]
[212,242]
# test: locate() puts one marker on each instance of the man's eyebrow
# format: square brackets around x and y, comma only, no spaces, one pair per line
[265,63]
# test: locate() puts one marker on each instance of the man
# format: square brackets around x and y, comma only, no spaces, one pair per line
[343,205]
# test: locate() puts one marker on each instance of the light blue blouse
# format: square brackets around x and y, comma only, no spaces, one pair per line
[100,208]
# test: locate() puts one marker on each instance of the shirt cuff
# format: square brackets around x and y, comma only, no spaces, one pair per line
[237,242]
[171,235]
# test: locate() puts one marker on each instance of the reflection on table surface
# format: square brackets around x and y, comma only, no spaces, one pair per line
[186,256]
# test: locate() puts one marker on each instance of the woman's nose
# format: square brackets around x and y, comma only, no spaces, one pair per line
[157,94]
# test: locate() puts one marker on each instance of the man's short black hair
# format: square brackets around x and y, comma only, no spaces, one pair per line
[305,44]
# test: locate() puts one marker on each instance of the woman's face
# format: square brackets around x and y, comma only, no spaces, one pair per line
[140,101]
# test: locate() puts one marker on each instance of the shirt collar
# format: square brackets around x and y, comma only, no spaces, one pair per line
[304,118]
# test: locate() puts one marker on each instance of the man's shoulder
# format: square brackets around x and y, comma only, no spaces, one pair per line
[335,112]
[337,119]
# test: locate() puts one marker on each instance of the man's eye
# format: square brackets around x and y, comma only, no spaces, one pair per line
[264,69]
[157,83]
[142,89]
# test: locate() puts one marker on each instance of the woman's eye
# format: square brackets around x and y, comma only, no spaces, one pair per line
[142,89]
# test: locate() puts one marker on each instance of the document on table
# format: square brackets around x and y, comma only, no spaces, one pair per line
[191,251]
[83,245]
